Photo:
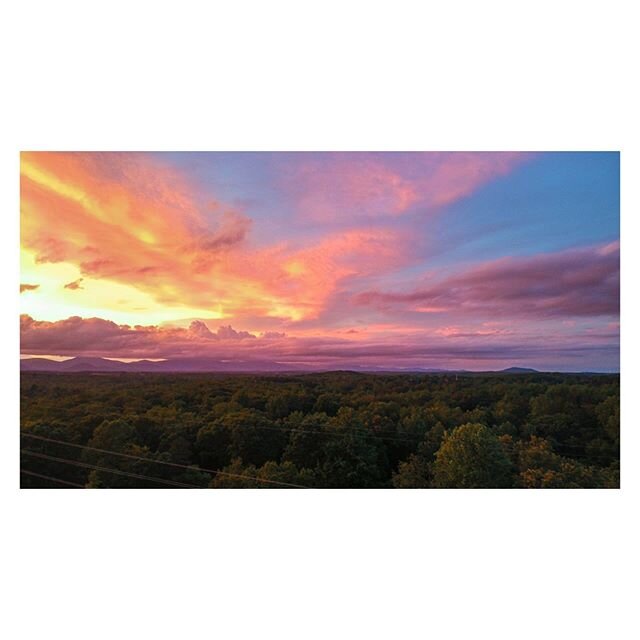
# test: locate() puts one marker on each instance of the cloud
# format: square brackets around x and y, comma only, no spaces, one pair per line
[125,218]
[572,283]
[141,238]
[74,285]
[344,186]
[309,277]
[229,333]
[471,349]
[74,334]
[199,329]
[233,228]
[28,287]
[95,336]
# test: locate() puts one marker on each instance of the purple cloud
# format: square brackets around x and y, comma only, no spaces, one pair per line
[475,350]
[572,283]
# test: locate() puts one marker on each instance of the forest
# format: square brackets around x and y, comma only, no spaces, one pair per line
[320,430]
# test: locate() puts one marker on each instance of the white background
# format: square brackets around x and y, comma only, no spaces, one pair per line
[318,75]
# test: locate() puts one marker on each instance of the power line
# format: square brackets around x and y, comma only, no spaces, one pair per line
[52,479]
[593,457]
[189,467]
[85,465]
[171,464]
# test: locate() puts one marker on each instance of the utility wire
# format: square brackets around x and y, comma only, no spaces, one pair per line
[554,449]
[85,465]
[170,464]
[52,479]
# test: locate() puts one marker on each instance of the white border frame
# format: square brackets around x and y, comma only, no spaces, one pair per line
[343,75]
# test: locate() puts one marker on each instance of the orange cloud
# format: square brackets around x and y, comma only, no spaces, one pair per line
[76,284]
[314,273]
[126,219]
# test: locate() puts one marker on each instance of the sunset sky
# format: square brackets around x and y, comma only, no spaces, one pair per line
[335,260]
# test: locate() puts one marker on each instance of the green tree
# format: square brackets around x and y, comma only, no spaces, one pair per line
[326,403]
[541,468]
[286,472]
[307,435]
[119,436]
[471,456]
[413,473]
[417,471]
[254,439]
[236,476]
[608,412]
[212,446]
[350,459]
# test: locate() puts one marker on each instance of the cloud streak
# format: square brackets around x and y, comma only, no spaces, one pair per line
[575,283]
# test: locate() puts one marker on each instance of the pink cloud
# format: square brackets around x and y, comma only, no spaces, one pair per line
[95,336]
[462,332]
[302,280]
[465,348]
[345,186]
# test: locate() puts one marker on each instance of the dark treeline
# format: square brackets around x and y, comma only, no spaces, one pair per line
[337,429]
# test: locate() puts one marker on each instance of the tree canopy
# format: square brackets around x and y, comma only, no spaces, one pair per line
[332,430]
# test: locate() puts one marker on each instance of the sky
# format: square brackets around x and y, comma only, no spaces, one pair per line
[391,260]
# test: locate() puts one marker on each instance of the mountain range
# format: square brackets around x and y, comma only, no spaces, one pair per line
[200,365]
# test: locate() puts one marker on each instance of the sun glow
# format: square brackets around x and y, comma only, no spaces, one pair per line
[121,303]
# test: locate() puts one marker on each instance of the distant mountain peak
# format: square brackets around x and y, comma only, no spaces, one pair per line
[97,364]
